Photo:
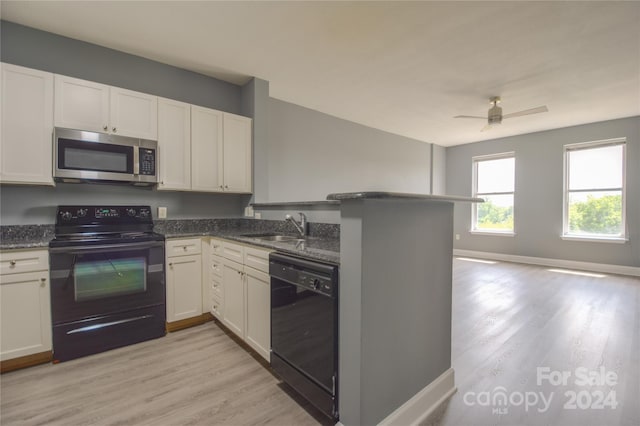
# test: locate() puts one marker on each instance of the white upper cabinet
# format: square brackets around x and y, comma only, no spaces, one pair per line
[86,105]
[26,126]
[206,149]
[133,114]
[220,151]
[81,104]
[237,153]
[174,144]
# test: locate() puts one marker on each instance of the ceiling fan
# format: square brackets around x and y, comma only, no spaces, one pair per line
[495,113]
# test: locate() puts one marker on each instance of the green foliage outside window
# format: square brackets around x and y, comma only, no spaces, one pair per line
[597,215]
[492,216]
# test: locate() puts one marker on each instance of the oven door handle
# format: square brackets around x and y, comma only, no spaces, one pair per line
[107,247]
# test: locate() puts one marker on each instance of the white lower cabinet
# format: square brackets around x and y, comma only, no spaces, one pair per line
[184,279]
[233,279]
[258,318]
[25,307]
[241,293]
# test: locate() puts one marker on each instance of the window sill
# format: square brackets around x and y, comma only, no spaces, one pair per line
[590,239]
[492,233]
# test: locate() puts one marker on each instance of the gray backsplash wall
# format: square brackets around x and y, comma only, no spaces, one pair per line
[312,154]
[539,194]
[22,205]
[37,49]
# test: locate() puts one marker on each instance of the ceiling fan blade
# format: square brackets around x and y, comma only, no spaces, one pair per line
[469,116]
[527,112]
[486,128]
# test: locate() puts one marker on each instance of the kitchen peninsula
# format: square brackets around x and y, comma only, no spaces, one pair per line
[395,305]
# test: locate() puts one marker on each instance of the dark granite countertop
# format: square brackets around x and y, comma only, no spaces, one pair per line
[324,248]
[322,244]
[314,248]
[25,236]
[399,196]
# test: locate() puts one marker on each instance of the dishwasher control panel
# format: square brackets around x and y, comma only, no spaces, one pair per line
[318,277]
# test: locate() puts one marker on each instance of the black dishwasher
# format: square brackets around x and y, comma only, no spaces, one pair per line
[304,328]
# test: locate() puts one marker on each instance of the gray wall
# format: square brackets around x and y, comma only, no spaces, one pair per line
[21,205]
[395,292]
[313,154]
[539,194]
[49,52]
[438,170]
[45,51]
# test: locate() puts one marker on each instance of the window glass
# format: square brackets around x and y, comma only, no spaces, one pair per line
[494,182]
[594,196]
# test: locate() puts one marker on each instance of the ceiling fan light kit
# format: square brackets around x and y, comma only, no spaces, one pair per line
[495,116]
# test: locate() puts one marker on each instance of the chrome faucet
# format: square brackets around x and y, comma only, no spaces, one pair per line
[302,226]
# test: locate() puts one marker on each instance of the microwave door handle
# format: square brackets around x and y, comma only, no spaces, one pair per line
[136,160]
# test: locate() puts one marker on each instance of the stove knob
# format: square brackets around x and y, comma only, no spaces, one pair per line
[81,212]
[144,213]
[65,215]
[132,212]
[315,284]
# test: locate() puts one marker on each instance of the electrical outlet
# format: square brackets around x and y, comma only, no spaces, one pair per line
[257,215]
[162,212]
[457,236]
[248,211]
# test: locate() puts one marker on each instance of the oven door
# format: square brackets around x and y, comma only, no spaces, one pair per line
[90,281]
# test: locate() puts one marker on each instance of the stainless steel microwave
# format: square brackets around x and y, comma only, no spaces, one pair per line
[82,156]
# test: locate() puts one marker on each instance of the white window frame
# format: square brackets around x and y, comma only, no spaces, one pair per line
[474,206]
[565,202]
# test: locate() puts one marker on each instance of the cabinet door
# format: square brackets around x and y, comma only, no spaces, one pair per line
[184,287]
[258,325]
[237,153]
[81,104]
[25,314]
[133,114]
[206,149]
[233,296]
[27,124]
[174,144]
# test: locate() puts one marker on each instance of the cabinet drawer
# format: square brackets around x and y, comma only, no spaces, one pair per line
[216,287]
[257,258]
[216,266]
[17,261]
[183,247]
[233,251]
[216,307]
[216,247]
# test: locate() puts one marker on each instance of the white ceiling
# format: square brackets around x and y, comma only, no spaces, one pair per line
[403,67]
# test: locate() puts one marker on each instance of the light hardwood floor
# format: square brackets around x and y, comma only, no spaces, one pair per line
[508,319]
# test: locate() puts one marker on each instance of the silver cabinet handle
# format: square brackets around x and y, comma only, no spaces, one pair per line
[105,127]
[12,263]
[43,282]
[171,264]
[114,130]
[226,187]
[221,187]
[185,248]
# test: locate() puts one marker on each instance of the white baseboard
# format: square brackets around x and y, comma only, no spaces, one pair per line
[558,263]
[424,403]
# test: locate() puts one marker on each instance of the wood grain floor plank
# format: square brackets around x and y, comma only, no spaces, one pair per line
[508,320]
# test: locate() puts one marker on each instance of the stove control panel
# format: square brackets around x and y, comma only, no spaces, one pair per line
[83,215]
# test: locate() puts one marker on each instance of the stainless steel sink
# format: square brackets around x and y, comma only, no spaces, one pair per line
[274,237]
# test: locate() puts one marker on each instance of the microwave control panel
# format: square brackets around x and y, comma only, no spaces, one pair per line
[147,161]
